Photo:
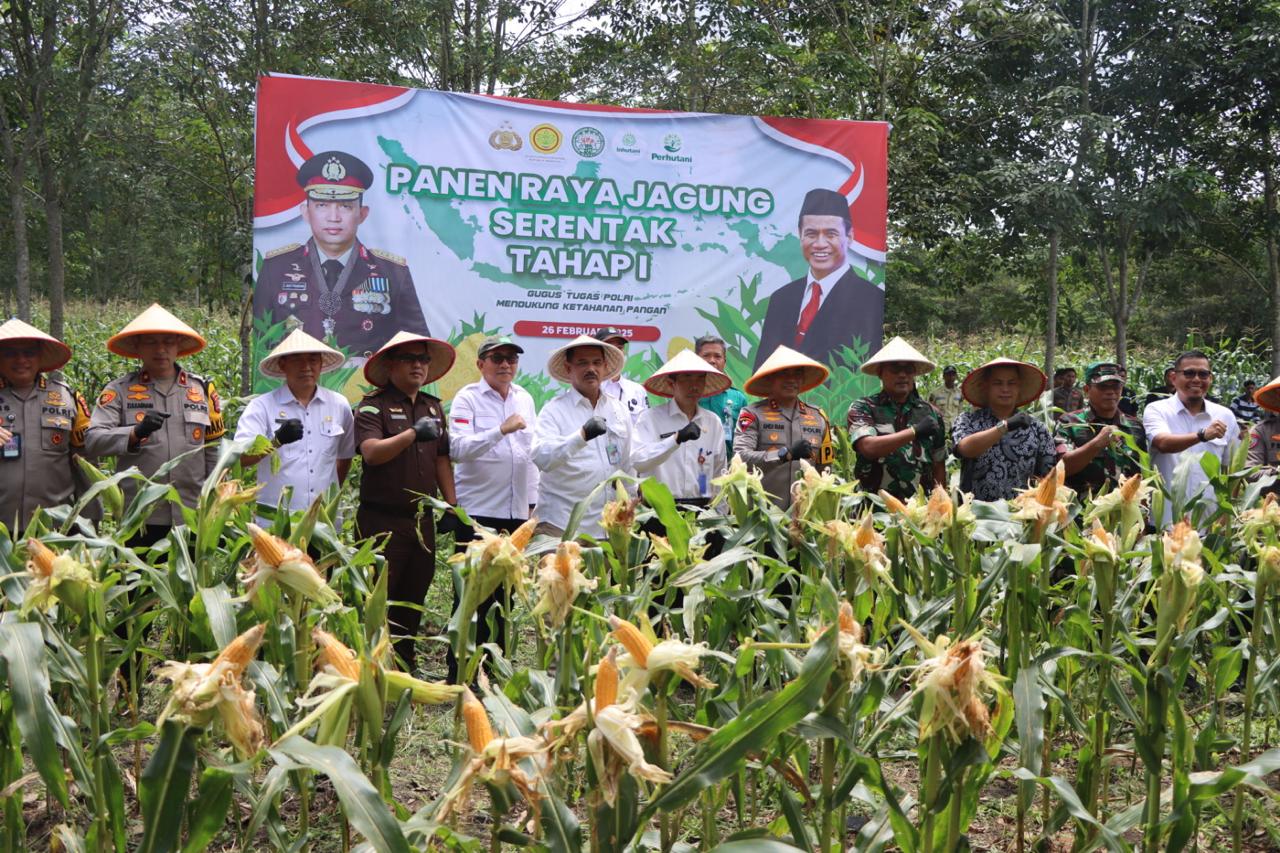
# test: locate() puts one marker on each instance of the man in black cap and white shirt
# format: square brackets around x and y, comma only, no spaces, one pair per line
[334,287]
[831,304]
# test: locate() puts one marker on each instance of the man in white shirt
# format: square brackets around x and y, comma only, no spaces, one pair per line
[1188,425]
[678,443]
[627,391]
[312,428]
[582,438]
[490,436]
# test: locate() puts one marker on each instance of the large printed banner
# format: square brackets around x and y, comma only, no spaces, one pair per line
[380,208]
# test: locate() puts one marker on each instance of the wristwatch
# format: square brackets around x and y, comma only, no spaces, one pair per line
[1200,435]
[1004,427]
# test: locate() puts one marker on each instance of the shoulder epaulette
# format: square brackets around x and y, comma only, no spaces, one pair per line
[282,250]
[388,256]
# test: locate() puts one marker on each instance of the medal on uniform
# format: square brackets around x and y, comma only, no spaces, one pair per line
[330,325]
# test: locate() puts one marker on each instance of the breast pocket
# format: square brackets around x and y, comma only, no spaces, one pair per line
[55,433]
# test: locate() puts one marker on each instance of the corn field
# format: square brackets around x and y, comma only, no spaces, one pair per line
[856,673]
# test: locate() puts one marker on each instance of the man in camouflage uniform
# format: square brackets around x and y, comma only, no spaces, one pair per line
[160,411]
[42,425]
[779,432]
[1264,436]
[898,436]
[948,399]
[1091,441]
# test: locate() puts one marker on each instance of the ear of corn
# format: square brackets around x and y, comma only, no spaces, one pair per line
[271,549]
[607,681]
[632,640]
[236,656]
[479,732]
[330,651]
[41,557]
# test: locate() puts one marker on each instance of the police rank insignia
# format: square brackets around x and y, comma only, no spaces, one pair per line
[54,398]
[372,297]
[194,395]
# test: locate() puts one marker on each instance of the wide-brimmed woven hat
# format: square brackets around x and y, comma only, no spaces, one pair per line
[897,350]
[299,342]
[155,321]
[53,352]
[1268,396]
[1030,379]
[378,372]
[558,363]
[784,358]
[662,382]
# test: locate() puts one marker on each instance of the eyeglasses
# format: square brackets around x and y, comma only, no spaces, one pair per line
[20,352]
[412,358]
[499,358]
[1196,374]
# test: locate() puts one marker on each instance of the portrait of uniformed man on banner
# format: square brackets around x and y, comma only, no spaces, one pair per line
[333,286]
[831,305]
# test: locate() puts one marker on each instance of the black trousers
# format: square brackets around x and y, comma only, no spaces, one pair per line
[464,534]
[410,570]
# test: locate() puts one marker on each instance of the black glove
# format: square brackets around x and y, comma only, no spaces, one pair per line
[688,432]
[426,429]
[289,431]
[151,422]
[1020,420]
[594,428]
[798,450]
[925,427]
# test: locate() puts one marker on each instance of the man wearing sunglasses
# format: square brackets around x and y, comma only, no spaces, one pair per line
[1188,425]
[490,436]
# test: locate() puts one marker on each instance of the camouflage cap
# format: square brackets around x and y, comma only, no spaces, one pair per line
[1102,371]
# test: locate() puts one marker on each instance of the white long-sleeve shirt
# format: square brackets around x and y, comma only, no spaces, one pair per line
[686,469]
[493,473]
[571,466]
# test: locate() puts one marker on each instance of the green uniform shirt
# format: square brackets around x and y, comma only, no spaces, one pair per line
[910,466]
[726,406]
[1112,463]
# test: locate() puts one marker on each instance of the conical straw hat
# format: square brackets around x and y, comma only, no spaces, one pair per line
[662,382]
[378,372]
[897,350]
[1031,382]
[783,358]
[558,363]
[299,342]
[1268,396]
[155,321]
[53,352]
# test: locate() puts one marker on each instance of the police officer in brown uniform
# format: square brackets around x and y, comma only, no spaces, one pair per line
[158,412]
[42,424]
[1264,436]
[333,286]
[401,437]
[778,432]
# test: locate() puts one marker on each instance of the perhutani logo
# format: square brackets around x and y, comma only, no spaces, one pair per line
[546,138]
[588,142]
[671,142]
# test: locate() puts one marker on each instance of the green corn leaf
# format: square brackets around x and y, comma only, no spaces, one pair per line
[755,845]
[162,791]
[361,802]
[561,832]
[756,729]
[22,648]
[207,813]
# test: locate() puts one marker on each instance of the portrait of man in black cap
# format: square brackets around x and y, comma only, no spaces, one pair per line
[333,286]
[831,304]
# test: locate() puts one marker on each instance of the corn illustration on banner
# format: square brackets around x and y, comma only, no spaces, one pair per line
[381,208]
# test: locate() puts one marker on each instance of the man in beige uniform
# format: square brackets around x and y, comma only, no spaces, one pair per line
[779,432]
[157,413]
[42,424]
[1264,436]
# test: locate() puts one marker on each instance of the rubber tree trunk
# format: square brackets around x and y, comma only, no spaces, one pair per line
[1051,305]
